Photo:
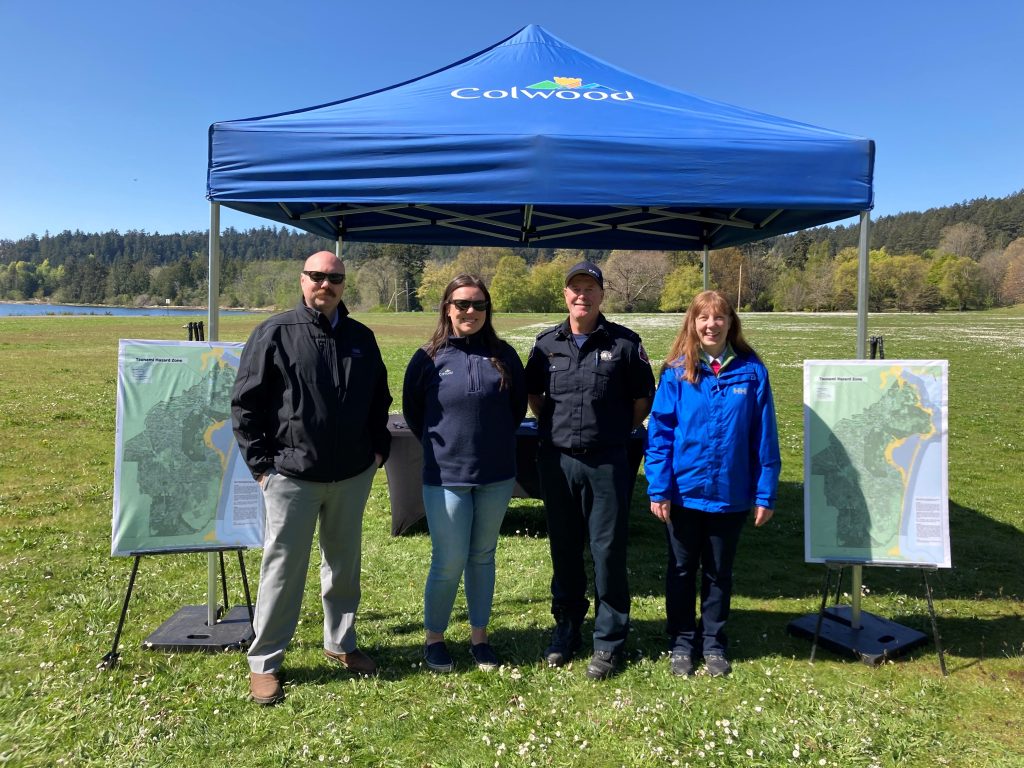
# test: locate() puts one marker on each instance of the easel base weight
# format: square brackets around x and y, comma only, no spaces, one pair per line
[187,630]
[877,640]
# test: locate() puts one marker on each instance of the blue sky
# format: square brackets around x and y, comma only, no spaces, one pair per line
[106,105]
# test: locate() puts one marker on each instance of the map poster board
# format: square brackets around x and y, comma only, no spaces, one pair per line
[180,483]
[875,462]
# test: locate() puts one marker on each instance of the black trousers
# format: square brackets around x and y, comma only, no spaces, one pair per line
[586,498]
[705,542]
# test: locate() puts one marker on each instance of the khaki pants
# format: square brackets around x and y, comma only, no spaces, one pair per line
[293,509]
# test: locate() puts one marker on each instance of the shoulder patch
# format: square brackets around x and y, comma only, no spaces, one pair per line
[643,354]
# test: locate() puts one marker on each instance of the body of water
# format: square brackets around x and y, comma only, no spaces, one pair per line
[15,309]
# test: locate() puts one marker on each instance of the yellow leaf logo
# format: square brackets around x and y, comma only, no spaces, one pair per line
[569,82]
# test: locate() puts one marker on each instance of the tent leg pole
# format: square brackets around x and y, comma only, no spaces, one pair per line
[213,283]
[212,612]
[337,247]
[862,285]
[856,587]
[213,299]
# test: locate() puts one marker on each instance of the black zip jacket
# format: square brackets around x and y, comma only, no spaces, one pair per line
[311,401]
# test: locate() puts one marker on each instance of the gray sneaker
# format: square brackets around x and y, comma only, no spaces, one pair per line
[681,665]
[717,666]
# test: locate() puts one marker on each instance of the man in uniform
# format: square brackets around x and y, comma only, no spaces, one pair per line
[310,410]
[590,384]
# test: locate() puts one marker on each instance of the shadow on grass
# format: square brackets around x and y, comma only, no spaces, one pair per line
[754,635]
[770,561]
[770,566]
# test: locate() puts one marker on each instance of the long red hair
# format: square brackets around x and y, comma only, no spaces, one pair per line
[684,354]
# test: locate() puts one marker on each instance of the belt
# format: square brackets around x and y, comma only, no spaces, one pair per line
[580,451]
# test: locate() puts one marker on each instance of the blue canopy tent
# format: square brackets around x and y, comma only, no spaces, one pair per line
[533,142]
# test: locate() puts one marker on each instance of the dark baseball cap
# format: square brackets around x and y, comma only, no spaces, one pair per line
[586,268]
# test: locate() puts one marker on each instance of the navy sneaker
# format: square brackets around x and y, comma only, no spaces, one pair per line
[485,657]
[437,657]
[681,664]
[717,665]
[603,664]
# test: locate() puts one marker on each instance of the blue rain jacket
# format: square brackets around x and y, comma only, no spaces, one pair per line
[714,445]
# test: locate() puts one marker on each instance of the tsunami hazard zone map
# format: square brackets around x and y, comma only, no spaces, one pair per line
[180,483]
[875,462]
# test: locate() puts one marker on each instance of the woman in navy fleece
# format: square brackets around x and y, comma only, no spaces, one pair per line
[464,397]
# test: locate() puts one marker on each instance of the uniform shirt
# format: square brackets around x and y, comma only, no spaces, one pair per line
[588,391]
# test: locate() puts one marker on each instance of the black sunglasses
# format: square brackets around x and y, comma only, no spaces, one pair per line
[335,278]
[464,304]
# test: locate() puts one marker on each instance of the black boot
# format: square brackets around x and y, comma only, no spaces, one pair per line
[565,641]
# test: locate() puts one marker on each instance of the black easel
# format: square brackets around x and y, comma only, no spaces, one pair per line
[874,639]
[222,636]
[190,629]
[847,629]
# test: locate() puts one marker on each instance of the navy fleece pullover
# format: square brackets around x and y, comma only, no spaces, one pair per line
[465,422]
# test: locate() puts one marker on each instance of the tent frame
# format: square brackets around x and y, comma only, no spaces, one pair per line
[518,225]
[529,212]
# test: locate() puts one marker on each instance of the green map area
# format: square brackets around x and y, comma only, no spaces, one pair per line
[875,461]
[179,480]
[178,467]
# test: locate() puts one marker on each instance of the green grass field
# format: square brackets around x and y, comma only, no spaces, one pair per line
[61,592]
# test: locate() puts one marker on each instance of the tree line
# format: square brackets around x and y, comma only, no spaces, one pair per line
[965,256]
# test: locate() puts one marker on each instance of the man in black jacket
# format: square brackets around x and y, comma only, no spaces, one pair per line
[310,409]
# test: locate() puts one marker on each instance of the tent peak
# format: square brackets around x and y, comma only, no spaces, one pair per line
[535,33]
[534,142]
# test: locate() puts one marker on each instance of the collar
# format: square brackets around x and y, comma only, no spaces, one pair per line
[318,317]
[565,330]
[727,356]
[473,340]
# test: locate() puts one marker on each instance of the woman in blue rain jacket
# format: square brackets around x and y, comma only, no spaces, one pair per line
[712,457]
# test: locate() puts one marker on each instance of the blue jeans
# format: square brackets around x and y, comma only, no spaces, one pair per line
[464,522]
[706,541]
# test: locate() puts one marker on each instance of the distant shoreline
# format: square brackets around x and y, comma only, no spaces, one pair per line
[180,307]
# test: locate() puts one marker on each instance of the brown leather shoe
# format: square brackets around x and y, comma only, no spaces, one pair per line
[354,661]
[265,688]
